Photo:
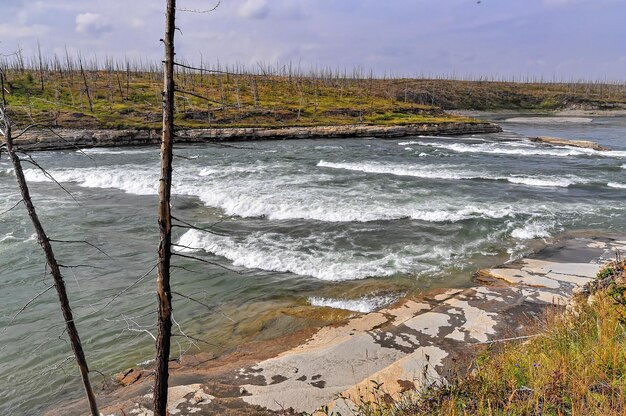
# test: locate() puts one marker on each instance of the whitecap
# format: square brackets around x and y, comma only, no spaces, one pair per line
[451,172]
[117,151]
[513,148]
[130,179]
[617,185]
[532,230]
[364,304]
[311,256]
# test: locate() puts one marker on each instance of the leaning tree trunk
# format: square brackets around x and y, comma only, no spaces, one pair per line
[164,295]
[55,270]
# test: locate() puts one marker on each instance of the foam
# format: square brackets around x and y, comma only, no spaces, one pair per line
[364,304]
[280,253]
[514,148]
[133,180]
[117,151]
[616,185]
[532,230]
[449,172]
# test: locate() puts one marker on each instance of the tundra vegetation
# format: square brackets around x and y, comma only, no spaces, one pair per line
[72,91]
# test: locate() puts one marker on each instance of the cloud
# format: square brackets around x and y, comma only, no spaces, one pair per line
[254,9]
[23,31]
[91,23]
[135,22]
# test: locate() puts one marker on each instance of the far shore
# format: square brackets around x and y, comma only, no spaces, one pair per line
[565,112]
[60,139]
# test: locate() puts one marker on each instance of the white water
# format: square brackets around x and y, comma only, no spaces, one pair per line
[451,172]
[310,256]
[533,230]
[364,304]
[520,149]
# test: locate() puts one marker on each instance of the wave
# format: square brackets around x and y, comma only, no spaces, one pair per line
[133,180]
[312,256]
[264,190]
[533,230]
[509,148]
[364,304]
[117,151]
[616,185]
[446,172]
[10,238]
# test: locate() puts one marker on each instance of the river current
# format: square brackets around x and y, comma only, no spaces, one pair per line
[350,223]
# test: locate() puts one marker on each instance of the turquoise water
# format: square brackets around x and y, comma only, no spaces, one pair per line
[350,223]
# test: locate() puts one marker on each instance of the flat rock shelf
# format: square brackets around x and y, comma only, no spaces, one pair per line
[57,139]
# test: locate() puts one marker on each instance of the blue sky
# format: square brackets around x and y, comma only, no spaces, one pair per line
[551,38]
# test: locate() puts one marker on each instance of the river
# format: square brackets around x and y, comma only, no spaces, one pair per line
[351,224]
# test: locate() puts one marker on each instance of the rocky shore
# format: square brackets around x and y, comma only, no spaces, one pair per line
[410,344]
[556,141]
[59,139]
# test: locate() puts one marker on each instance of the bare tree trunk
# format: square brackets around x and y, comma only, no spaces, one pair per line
[55,270]
[82,71]
[40,65]
[164,320]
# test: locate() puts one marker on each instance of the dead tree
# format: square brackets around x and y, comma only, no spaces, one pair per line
[164,295]
[52,264]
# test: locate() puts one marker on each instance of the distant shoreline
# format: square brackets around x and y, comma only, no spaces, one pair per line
[64,139]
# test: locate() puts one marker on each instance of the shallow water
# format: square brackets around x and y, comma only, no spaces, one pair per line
[350,223]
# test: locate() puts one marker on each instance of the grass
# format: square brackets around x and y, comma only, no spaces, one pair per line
[118,98]
[112,99]
[575,366]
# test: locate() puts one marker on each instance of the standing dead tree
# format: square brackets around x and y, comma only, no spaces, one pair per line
[164,295]
[51,262]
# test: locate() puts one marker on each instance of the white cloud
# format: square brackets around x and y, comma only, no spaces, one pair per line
[135,22]
[23,31]
[254,9]
[91,23]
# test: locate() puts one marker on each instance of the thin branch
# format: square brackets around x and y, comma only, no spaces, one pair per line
[48,175]
[26,305]
[195,339]
[204,261]
[135,283]
[58,136]
[199,228]
[83,242]
[215,71]
[76,266]
[13,207]
[193,94]
[203,304]
[200,10]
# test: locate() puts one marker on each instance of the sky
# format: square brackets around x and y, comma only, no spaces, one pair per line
[549,39]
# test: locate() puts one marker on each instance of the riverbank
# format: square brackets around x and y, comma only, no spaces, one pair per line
[403,347]
[58,139]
